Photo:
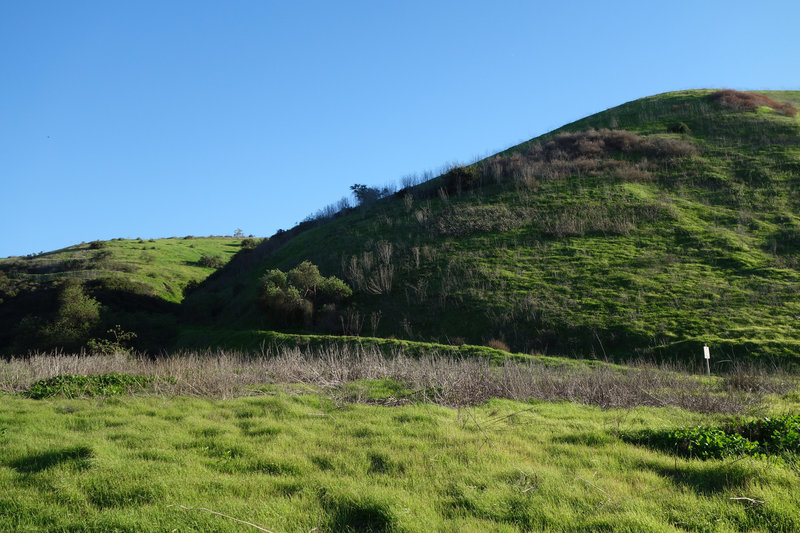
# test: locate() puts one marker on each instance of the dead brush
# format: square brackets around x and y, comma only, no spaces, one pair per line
[443,380]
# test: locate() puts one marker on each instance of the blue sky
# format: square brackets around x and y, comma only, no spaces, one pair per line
[170,118]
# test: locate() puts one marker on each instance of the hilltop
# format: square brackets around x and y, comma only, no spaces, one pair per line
[645,230]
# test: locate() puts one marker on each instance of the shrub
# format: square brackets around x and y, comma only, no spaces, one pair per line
[741,101]
[77,316]
[296,296]
[333,290]
[711,443]
[96,245]
[95,385]
[498,345]
[211,261]
[117,341]
[771,436]
[305,277]
[249,243]
[680,127]
[461,179]
[776,434]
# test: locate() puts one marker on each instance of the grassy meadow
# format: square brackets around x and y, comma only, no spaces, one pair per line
[347,440]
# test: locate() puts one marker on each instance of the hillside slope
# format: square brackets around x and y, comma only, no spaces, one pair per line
[649,228]
[135,283]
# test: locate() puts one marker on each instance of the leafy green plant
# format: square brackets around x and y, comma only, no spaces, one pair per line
[117,341]
[740,437]
[711,443]
[93,385]
[775,434]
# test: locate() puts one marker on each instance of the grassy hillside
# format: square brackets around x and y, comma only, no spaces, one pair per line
[163,267]
[647,229]
[135,281]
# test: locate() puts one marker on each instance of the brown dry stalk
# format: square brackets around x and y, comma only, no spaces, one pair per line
[221,514]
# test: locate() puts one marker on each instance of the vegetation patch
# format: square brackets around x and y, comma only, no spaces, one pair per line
[739,437]
[742,101]
[73,386]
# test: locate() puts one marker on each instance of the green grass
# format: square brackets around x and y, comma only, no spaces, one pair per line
[303,461]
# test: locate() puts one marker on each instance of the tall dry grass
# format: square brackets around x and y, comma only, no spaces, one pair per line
[443,380]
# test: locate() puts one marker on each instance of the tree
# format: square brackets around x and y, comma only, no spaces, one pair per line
[366,196]
[305,277]
[301,295]
[78,314]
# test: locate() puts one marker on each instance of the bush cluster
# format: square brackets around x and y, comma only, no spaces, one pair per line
[249,243]
[211,261]
[618,152]
[302,295]
[766,436]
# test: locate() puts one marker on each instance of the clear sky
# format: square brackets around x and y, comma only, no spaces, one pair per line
[170,118]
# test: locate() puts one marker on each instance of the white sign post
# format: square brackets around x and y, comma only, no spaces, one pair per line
[707,355]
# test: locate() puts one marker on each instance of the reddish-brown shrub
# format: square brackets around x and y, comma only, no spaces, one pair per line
[742,101]
[498,345]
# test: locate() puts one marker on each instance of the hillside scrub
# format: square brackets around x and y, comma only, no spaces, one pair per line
[742,101]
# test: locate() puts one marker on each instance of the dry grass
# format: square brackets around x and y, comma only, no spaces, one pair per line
[742,101]
[443,380]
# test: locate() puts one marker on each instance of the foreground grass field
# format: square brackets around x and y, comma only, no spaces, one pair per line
[362,454]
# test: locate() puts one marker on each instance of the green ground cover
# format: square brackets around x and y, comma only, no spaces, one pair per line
[290,460]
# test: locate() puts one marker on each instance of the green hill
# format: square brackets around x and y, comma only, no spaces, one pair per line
[135,283]
[647,229]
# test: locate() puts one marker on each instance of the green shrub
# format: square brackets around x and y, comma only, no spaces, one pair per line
[96,245]
[93,385]
[300,295]
[117,341]
[776,434]
[77,316]
[333,290]
[249,243]
[461,179]
[680,127]
[766,436]
[711,443]
[211,261]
